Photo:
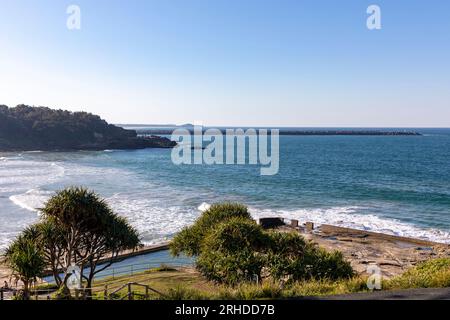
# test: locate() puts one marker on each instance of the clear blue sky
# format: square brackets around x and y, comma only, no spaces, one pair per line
[230,62]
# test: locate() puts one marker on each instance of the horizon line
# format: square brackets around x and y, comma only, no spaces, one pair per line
[278,127]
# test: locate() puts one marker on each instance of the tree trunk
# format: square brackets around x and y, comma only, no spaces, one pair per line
[57,277]
[26,290]
[89,286]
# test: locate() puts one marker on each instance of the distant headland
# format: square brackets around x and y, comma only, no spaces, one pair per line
[27,128]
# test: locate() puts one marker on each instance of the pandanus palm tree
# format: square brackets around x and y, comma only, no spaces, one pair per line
[77,229]
[26,261]
[90,232]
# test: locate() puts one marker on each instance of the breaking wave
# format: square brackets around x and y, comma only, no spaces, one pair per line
[352,217]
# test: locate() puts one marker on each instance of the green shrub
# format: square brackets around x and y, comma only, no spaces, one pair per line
[232,252]
[231,248]
[329,265]
[429,274]
[286,258]
[190,239]
[292,258]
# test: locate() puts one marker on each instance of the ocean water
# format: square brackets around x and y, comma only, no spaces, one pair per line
[392,184]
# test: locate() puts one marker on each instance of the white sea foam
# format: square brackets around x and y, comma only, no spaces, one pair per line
[18,175]
[32,200]
[5,239]
[351,217]
[156,222]
[203,207]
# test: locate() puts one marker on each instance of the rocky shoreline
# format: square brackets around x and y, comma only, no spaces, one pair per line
[392,254]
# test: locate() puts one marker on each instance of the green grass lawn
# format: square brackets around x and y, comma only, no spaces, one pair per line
[161,279]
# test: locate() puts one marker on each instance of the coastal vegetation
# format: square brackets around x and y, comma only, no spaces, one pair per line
[182,284]
[231,248]
[235,257]
[434,273]
[189,240]
[26,261]
[26,128]
[77,228]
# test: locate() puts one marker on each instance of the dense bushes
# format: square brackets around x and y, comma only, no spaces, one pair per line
[292,258]
[330,265]
[429,274]
[284,252]
[189,240]
[231,248]
[231,253]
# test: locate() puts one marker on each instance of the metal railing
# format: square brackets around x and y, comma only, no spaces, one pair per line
[132,269]
[111,276]
[130,294]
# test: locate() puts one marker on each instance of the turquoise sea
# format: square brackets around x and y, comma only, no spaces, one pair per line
[392,184]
